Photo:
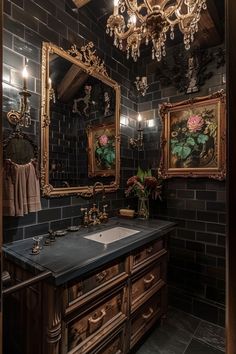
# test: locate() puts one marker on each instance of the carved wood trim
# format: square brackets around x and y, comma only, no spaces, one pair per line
[52,320]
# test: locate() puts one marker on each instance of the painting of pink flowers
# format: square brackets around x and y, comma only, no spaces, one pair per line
[102,150]
[194,137]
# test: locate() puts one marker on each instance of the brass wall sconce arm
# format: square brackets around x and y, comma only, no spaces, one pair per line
[22,116]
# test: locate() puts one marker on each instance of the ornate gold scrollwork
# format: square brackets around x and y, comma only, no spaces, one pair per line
[89,63]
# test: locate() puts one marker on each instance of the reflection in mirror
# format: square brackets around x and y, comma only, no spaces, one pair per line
[80,122]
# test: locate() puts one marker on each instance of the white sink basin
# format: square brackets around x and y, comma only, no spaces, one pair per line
[114,234]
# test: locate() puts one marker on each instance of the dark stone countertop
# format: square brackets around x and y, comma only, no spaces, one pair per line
[73,255]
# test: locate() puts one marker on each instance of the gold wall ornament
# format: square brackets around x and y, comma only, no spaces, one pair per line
[88,56]
[151,21]
[77,69]
[141,85]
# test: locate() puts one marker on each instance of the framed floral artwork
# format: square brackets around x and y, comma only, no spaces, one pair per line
[101,150]
[194,137]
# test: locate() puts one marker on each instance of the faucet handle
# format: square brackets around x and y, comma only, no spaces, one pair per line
[104,208]
[84,209]
[52,235]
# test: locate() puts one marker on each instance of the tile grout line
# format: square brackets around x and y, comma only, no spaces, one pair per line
[191,337]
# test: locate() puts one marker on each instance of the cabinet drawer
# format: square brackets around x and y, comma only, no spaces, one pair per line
[144,318]
[146,283]
[103,279]
[114,345]
[147,254]
[87,329]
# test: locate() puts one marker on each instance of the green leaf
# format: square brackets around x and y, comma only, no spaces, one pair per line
[98,151]
[190,141]
[186,151]
[177,150]
[182,151]
[174,141]
[202,138]
[140,174]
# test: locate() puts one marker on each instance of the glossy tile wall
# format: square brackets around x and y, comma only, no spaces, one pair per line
[197,248]
[197,257]
[26,25]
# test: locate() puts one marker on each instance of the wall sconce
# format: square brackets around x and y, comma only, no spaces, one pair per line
[141,84]
[137,143]
[51,91]
[22,117]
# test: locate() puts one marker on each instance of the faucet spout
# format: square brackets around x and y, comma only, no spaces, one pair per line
[101,187]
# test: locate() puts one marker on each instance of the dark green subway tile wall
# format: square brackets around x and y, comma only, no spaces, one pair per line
[197,247]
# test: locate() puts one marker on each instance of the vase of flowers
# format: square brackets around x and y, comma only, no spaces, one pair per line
[143,185]
[143,207]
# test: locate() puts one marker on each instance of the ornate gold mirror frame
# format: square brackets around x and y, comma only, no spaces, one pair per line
[89,62]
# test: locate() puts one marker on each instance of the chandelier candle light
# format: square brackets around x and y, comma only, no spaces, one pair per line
[150,21]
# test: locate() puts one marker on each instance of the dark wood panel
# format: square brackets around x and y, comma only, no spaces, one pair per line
[231,177]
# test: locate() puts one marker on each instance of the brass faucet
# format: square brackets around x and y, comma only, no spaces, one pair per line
[102,216]
[93,216]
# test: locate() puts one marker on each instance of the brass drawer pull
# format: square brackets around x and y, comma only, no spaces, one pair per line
[149,250]
[150,280]
[96,320]
[101,276]
[148,315]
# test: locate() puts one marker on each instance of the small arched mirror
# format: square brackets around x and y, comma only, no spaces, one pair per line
[19,148]
[80,143]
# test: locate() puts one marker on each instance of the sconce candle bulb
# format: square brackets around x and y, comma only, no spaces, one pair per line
[25,77]
[49,83]
[139,120]
[51,91]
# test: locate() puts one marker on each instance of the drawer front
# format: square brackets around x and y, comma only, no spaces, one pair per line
[144,318]
[85,289]
[115,345]
[147,254]
[149,281]
[97,322]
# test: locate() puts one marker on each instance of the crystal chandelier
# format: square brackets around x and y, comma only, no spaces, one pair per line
[142,21]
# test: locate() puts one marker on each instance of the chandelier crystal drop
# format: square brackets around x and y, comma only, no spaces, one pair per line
[134,22]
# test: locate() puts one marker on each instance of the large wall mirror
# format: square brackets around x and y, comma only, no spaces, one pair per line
[80,122]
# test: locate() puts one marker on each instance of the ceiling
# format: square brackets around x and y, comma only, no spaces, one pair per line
[211,25]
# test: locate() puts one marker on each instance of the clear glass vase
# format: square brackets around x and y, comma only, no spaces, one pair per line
[143,208]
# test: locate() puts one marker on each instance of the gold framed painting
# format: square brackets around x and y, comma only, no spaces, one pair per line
[194,137]
[101,150]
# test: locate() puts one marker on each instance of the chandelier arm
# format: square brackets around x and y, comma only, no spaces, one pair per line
[124,35]
[136,10]
[190,14]
[148,6]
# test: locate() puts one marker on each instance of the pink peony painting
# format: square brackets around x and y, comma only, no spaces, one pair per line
[194,136]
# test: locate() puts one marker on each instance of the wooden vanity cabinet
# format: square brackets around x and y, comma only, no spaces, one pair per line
[106,311]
